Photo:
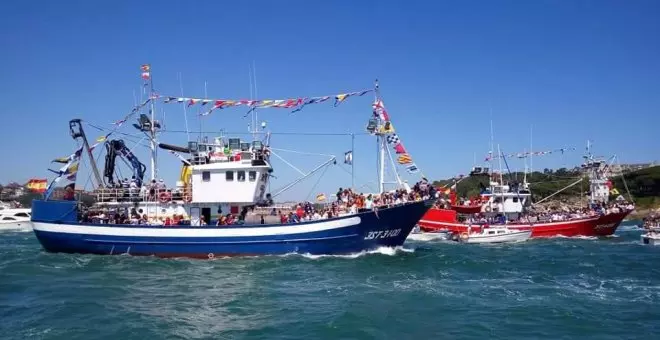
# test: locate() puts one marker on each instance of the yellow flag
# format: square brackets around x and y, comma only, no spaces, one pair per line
[614,191]
[72,169]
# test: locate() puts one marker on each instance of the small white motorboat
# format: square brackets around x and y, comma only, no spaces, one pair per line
[15,219]
[418,235]
[495,235]
[652,237]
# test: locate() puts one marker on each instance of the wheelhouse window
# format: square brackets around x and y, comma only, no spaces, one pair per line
[8,219]
[22,215]
[206,176]
[252,176]
[229,176]
[241,176]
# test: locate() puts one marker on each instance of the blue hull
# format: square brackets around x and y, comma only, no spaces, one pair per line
[57,229]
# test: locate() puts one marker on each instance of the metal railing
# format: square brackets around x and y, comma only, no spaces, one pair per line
[163,195]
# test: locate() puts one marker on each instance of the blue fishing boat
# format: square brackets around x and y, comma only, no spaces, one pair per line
[211,210]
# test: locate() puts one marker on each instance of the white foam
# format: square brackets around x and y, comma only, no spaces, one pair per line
[389,251]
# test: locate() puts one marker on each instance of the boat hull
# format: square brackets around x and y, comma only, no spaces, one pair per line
[343,235]
[650,240]
[604,225]
[17,225]
[516,236]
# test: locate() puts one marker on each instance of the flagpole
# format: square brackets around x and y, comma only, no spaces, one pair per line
[352,160]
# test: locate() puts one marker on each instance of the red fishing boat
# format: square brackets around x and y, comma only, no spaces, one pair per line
[504,204]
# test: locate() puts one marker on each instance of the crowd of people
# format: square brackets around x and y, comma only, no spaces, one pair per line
[349,202]
[652,221]
[551,214]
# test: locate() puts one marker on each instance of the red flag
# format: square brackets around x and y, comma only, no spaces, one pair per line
[399,148]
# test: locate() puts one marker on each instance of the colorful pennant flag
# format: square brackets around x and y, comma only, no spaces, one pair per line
[348,157]
[65,160]
[399,149]
[412,169]
[387,128]
[296,104]
[379,110]
[146,74]
[393,139]
[405,159]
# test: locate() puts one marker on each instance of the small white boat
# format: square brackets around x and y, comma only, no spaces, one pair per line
[418,235]
[495,235]
[15,219]
[651,237]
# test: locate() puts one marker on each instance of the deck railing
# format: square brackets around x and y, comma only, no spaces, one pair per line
[163,195]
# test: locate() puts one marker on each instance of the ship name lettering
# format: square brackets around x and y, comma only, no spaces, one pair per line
[382,234]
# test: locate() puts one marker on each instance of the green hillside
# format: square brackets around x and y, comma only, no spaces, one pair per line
[644,184]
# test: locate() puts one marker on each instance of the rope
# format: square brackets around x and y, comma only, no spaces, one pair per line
[317,182]
[623,178]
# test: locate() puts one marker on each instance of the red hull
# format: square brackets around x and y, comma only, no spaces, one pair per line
[466,209]
[441,219]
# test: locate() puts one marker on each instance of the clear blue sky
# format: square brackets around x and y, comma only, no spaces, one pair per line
[574,70]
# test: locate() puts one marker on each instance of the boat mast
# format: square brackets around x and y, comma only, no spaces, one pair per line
[80,133]
[531,153]
[152,130]
[381,147]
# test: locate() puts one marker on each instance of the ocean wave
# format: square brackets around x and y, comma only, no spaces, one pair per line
[389,251]
[578,237]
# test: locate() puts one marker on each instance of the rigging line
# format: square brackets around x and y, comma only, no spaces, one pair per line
[301,152]
[185,111]
[623,178]
[137,135]
[317,182]
[272,133]
[287,163]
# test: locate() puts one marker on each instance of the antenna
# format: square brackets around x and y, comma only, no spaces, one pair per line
[199,116]
[185,111]
[255,115]
[531,151]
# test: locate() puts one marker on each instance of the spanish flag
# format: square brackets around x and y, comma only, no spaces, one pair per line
[145,68]
[320,197]
[37,185]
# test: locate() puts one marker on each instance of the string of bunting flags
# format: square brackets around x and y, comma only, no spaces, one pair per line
[296,104]
[68,171]
[403,157]
[527,154]
[120,122]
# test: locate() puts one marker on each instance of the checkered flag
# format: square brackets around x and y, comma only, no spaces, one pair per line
[393,139]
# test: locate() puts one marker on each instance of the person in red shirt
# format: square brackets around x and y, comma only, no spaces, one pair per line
[300,212]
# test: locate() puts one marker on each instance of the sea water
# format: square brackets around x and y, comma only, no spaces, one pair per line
[606,288]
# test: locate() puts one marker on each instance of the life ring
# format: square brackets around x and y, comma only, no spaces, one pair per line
[464,236]
[165,197]
[211,256]
[187,198]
